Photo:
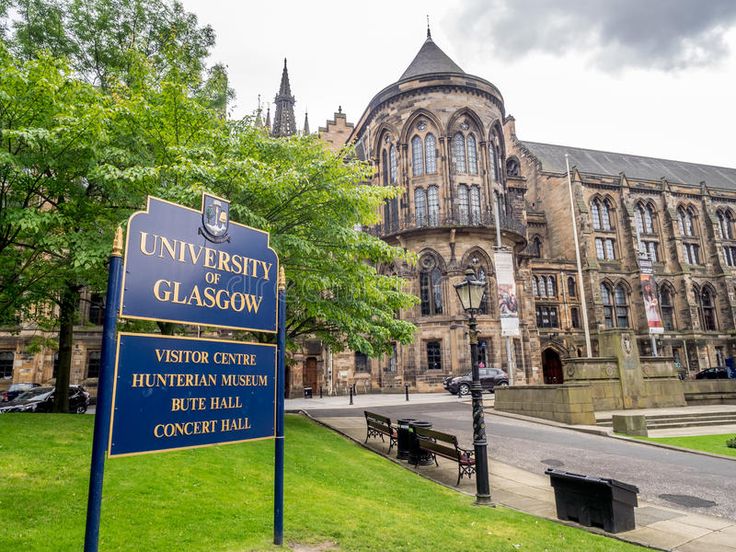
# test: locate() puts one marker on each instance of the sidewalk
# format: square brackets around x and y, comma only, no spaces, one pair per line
[657,526]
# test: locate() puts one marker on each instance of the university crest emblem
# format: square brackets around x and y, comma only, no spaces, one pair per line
[215,219]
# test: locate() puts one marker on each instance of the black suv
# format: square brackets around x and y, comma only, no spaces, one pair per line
[489,379]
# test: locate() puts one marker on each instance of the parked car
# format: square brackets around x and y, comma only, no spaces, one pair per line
[489,379]
[41,399]
[717,372]
[16,389]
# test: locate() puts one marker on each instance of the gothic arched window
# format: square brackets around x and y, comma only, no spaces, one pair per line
[433,205]
[393,164]
[649,219]
[607,301]
[474,205]
[417,156]
[666,307]
[430,150]
[606,217]
[384,168]
[622,306]
[686,220]
[571,291]
[551,287]
[535,287]
[430,286]
[725,224]
[472,155]
[458,153]
[708,309]
[595,211]
[420,206]
[512,167]
[493,160]
[462,204]
[537,246]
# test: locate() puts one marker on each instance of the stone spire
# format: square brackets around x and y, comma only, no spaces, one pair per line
[306,123]
[284,123]
[259,114]
[268,118]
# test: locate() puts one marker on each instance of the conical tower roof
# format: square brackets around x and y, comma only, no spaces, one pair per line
[430,59]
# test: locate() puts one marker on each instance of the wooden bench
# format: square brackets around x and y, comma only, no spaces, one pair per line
[445,445]
[378,426]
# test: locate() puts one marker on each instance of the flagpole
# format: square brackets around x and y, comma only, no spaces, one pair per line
[586,327]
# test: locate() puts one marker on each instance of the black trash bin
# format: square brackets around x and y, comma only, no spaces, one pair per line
[594,501]
[416,456]
[403,445]
[307,392]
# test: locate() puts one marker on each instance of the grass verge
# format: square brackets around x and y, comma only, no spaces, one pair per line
[715,444]
[221,498]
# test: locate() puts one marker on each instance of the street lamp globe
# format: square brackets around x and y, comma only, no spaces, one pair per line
[470,292]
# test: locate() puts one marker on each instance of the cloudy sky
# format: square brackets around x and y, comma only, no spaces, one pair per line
[651,77]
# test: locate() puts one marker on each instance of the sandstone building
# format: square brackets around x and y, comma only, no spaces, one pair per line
[443,137]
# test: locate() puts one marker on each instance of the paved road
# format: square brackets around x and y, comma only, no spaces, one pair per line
[691,482]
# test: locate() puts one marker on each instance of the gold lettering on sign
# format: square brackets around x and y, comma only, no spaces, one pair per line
[167,291]
[184,252]
[235,424]
[224,403]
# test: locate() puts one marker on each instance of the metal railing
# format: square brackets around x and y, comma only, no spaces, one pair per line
[456,219]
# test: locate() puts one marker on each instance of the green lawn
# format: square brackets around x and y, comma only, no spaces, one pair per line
[715,444]
[221,498]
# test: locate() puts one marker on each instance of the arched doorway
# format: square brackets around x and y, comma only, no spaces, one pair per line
[552,367]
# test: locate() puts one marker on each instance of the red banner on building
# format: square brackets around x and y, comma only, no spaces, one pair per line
[508,305]
[649,292]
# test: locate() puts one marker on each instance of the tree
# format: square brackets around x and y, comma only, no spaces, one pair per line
[67,178]
[133,113]
[115,49]
[104,40]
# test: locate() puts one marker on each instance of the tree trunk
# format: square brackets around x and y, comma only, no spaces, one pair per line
[167,328]
[67,312]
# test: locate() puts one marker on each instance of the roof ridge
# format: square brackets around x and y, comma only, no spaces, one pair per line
[629,155]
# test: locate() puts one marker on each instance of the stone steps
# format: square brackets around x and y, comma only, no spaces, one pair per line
[682,420]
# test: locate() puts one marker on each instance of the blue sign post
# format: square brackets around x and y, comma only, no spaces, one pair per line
[160,393]
[104,398]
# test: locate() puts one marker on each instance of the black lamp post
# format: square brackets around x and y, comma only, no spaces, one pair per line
[470,292]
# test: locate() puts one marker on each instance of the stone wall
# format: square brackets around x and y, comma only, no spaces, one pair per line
[568,404]
[703,392]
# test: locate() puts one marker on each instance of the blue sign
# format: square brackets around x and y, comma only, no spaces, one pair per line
[194,267]
[178,392]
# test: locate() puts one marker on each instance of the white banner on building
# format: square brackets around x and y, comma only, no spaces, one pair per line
[508,305]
